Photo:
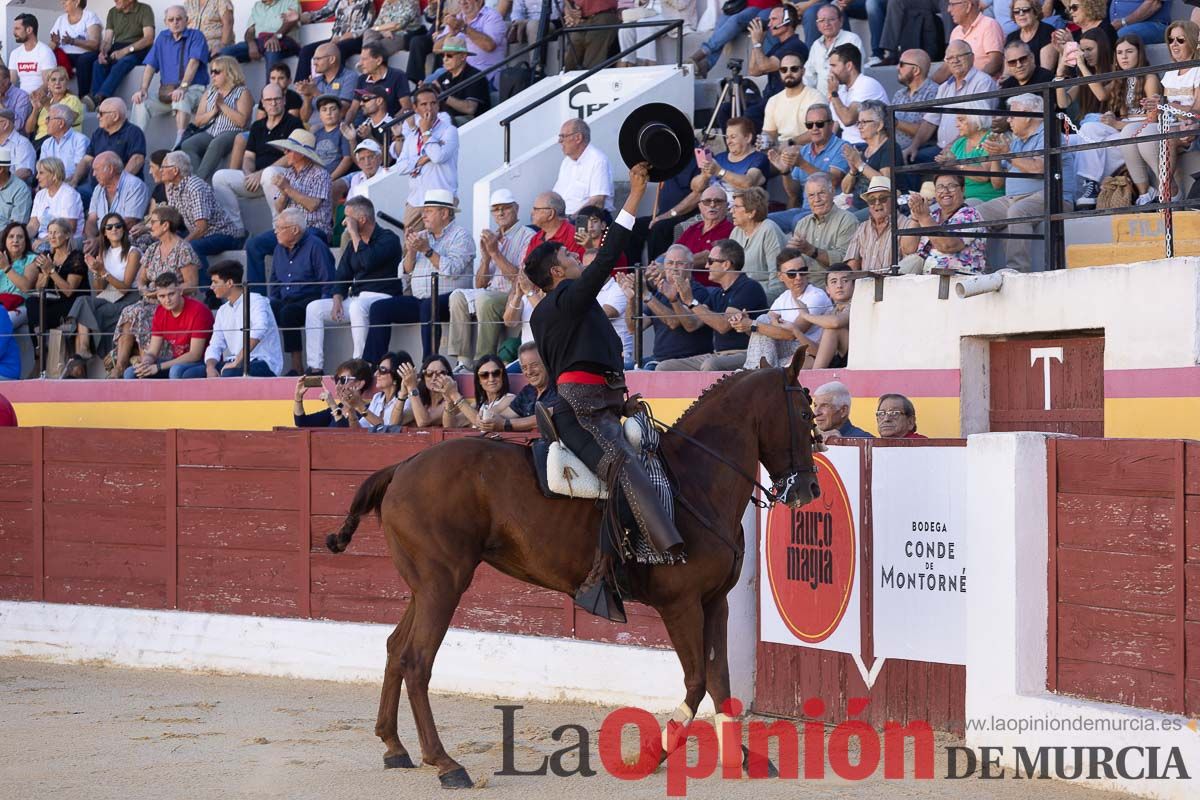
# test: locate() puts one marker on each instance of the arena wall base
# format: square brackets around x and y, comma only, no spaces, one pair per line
[1007,629]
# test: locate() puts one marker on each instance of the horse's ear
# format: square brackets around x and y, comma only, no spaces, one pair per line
[793,370]
[763,363]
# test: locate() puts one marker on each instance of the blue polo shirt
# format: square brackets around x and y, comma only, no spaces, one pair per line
[1019,186]
[745,294]
[128,141]
[677,342]
[1124,8]
[830,157]
[310,260]
[169,56]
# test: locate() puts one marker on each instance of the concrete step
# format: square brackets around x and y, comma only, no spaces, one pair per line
[1148,228]
[1097,255]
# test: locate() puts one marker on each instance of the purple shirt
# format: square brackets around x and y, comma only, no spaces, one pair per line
[17,101]
[487,21]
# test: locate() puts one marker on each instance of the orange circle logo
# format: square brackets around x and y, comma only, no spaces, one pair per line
[811,556]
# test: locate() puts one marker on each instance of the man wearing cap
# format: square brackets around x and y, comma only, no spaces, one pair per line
[329,77]
[211,229]
[365,275]
[302,181]
[24,157]
[253,153]
[14,98]
[871,247]
[369,158]
[468,99]
[502,251]
[180,56]
[374,122]
[583,355]
[428,155]
[115,133]
[373,70]
[117,192]
[16,200]
[584,176]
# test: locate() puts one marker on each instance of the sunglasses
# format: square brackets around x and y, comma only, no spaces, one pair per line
[342,379]
[908,64]
[381,370]
[1023,10]
[878,200]
[710,261]
[795,273]
[1012,62]
[430,374]
[114,226]
[489,375]
[215,71]
[790,69]
[1073,7]
[1176,40]
[712,201]
[817,125]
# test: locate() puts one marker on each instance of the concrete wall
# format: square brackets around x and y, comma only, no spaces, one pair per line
[1007,623]
[1147,312]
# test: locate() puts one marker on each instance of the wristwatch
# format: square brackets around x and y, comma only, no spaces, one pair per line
[183,85]
[694,302]
[414,393]
[279,36]
[721,174]
[674,213]
[754,327]
[428,253]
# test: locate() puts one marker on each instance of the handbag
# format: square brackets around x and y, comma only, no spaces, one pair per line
[165,89]
[731,7]
[10,301]
[1115,192]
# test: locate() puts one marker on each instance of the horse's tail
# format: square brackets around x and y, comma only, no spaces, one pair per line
[368,499]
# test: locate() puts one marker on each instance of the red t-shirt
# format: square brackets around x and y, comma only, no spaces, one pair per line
[565,235]
[695,239]
[195,321]
[8,415]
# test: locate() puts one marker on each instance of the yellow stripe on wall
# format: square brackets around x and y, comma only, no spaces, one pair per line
[1152,417]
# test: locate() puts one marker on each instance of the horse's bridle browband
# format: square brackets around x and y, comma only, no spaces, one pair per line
[779,486]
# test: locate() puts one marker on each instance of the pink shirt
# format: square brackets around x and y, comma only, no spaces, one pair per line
[985,36]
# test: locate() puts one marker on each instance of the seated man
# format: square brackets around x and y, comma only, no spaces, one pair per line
[834,347]
[729,29]
[211,229]
[766,60]
[871,247]
[374,122]
[365,275]
[16,201]
[896,418]
[180,57]
[964,79]
[824,235]
[776,335]
[675,202]
[588,48]
[981,33]
[733,293]
[783,118]
[179,332]
[368,156]
[224,357]
[301,269]
[444,248]
[537,389]
[329,77]
[374,72]
[269,35]
[656,309]
[67,145]
[24,157]
[584,176]
[465,101]
[15,99]
[502,251]
[1021,66]
[30,58]
[127,38]
[117,134]
[714,224]
[831,412]
[549,217]
[823,153]
[116,192]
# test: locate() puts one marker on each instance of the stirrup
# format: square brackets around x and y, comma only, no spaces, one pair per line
[545,422]
[600,599]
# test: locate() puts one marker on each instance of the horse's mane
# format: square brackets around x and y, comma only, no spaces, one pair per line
[713,391]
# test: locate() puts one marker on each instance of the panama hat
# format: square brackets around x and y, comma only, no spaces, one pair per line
[880,183]
[453,44]
[299,141]
[660,135]
[438,198]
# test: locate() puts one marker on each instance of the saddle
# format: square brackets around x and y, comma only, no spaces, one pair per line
[561,473]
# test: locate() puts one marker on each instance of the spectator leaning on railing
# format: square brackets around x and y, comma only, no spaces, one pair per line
[389,407]
[179,332]
[225,357]
[896,418]
[491,409]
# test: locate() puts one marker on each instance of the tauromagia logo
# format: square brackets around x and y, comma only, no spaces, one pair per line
[811,558]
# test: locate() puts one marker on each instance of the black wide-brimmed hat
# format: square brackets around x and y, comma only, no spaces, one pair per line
[660,134]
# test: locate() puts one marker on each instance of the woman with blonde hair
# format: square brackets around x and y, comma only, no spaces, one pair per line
[224,112]
[54,90]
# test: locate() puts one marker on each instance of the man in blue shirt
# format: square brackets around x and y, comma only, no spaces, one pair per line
[179,55]
[1023,197]
[823,153]
[671,339]
[831,412]
[707,306]
[1147,19]
[115,133]
[15,98]
[301,258]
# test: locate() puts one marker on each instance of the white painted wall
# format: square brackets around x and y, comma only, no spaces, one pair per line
[1148,312]
[1007,620]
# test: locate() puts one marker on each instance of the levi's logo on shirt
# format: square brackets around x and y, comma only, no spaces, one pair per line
[27,66]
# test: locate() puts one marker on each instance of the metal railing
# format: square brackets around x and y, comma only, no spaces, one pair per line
[1053,216]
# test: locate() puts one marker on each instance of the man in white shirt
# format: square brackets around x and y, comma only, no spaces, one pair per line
[849,88]
[777,334]
[585,177]
[30,57]
[429,154]
[224,357]
[964,80]
[816,69]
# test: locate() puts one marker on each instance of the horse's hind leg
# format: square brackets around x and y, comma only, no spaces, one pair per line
[389,700]
[434,603]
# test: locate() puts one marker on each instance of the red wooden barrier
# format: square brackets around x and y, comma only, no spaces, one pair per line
[234,522]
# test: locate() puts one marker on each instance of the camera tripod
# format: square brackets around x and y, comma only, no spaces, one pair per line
[733,90]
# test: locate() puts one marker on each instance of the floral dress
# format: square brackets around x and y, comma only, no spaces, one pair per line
[972,258]
[405,13]
[349,16]
[139,315]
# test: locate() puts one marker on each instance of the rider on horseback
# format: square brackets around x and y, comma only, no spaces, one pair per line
[582,353]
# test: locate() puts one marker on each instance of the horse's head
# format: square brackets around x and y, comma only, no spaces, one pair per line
[788,436]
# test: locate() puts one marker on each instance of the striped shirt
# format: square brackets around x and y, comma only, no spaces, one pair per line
[195,200]
[457,252]
[221,123]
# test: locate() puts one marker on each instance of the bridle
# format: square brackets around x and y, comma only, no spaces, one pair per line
[781,486]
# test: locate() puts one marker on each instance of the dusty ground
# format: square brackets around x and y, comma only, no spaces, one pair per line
[98,732]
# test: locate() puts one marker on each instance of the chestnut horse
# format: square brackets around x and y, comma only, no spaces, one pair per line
[476,500]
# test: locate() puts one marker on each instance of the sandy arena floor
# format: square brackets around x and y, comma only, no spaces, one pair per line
[99,732]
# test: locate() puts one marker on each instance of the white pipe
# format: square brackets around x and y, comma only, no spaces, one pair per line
[980,284]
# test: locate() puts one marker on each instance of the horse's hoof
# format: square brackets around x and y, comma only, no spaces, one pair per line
[331,541]
[456,779]
[402,761]
[752,764]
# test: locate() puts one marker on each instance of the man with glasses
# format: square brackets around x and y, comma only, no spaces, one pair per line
[823,236]
[118,135]
[829,24]
[982,34]
[871,247]
[912,71]
[180,57]
[301,268]
[714,224]
[1021,67]
[467,99]
[14,98]
[783,118]
[210,228]
[777,334]
[480,27]
[823,153]
[848,89]
[781,24]
[584,176]
[549,217]
[428,153]
[671,339]
[253,153]
[329,77]
[1145,18]
[67,145]
[964,80]
[116,192]
[537,389]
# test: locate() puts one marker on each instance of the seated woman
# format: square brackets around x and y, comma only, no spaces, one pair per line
[943,252]
[1028,14]
[397,21]
[54,90]
[896,418]
[972,130]
[427,389]
[224,113]
[16,277]
[168,253]
[351,380]
[113,272]
[76,34]
[740,167]
[388,409]
[60,272]
[55,199]
[871,163]
[493,400]
[759,237]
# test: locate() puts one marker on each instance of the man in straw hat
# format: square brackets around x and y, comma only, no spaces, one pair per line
[302,181]
[464,102]
[871,246]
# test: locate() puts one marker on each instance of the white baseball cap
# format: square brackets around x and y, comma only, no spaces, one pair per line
[502,197]
[368,144]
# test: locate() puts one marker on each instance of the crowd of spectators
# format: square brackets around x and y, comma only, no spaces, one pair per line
[753,249]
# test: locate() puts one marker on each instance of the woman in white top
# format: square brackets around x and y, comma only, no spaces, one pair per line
[76,32]
[1181,90]
[55,200]
[389,407]
[112,273]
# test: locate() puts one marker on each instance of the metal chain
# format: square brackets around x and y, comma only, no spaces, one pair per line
[1168,115]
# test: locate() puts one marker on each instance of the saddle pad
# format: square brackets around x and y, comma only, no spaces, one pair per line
[567,476]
